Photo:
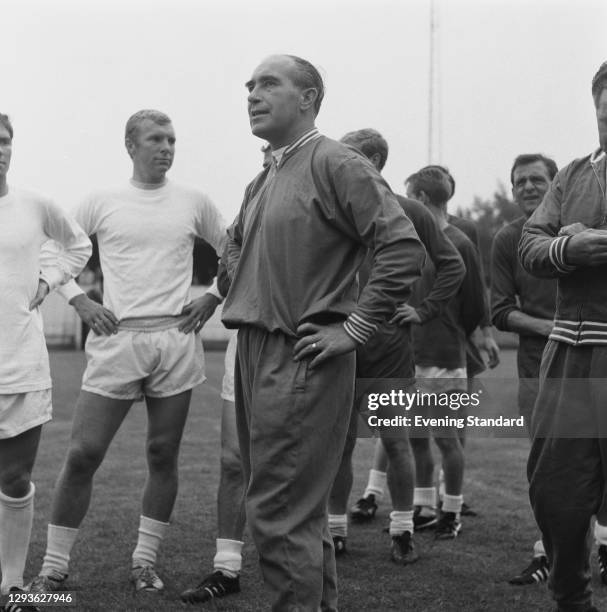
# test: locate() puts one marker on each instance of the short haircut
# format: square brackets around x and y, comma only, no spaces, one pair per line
[446,172]
[599,82]
[132,125]
[433,182]
[307,76]
[6,123]
[530,158]
[369,142]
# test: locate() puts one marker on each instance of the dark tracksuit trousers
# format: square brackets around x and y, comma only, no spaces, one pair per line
[528,359]
[292,423]
[568,463]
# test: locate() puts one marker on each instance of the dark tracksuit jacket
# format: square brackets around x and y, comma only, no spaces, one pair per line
[566,467]
[441,342]
[389,352]
[514,289]
[312,227]
[475,364]
[294,254]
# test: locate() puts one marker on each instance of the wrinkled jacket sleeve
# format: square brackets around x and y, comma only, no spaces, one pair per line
[541,250]
[472,290]
[223,280]
[233,247]
[378,221]
[503,286]
[449,268]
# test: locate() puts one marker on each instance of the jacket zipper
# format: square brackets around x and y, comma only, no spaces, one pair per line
[598,178]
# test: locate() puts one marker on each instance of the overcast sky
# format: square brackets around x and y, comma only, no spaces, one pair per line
[515,77]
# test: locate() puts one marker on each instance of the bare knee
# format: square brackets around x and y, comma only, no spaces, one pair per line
[15,482]
[449,445]
[420,445]
[83,460]
[162,456]
[396,447]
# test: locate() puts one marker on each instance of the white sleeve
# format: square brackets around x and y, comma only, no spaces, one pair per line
[70,290]
[210,224]
[73,247]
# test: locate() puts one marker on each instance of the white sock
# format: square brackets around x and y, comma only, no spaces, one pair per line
[401,521]
[228,558]
[338,525]
[453,503]
[16,516]
[441,484]
[59,543]
[600,533]
[424,497]
[538,549]
[376,484]
[151,533]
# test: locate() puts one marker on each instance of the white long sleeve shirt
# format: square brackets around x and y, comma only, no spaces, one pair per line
[27,220]
[146,239]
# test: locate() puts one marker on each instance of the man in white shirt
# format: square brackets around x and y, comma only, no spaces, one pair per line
[27,220]
[145,341]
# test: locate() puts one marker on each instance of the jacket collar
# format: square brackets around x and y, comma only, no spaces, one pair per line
[597,156]
[304,139]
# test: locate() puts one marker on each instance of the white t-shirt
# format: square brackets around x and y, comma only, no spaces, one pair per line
[27,220]
[146,239]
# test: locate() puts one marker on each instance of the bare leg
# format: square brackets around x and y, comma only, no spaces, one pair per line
[401,472]
[380,457]
[96,421]
[230,495]
[17,456]
[424,462]
[166,420]
[453,463]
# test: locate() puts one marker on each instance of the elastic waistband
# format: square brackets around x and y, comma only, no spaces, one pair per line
[150,323]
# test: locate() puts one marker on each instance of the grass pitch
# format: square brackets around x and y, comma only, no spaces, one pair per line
[469,574]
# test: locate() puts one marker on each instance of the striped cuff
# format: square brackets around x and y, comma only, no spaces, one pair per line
[358,328]
[556,253]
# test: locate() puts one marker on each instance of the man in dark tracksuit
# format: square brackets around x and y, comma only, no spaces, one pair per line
[475,363]
[566,238]
[295,248]
[389,354]
[440,356]
[524,305]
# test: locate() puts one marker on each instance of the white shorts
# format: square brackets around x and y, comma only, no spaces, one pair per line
[20,412]
[152,361]
[227,387]
[449,380]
